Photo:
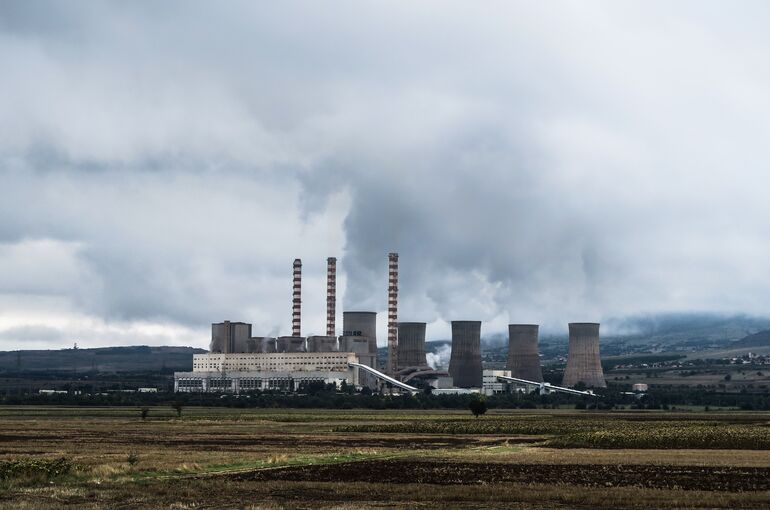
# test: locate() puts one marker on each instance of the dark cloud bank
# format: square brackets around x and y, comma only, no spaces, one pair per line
[162,164]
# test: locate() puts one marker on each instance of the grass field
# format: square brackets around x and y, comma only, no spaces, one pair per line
[58,457]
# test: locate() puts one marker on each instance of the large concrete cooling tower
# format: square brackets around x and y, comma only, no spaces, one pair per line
[583,361]
[465,362]
[523,356]
[411,344]
[361,324]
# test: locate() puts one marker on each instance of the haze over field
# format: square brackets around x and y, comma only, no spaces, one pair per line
[161,165]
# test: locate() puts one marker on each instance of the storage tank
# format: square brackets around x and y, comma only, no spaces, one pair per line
[523,354]
[583,360]
[465,361]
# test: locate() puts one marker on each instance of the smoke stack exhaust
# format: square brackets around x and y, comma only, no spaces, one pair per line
[331,295]
[296,306]
[392,313]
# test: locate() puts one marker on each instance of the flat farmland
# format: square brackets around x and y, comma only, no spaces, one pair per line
[60,457]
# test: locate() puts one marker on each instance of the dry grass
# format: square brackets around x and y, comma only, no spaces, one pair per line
[167,451]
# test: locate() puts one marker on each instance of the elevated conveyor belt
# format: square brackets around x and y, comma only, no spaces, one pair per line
[383,377]
[547,387]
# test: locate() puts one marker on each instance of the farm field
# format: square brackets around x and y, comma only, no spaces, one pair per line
[59,457]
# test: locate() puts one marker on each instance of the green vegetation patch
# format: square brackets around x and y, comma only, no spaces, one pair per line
[34,469]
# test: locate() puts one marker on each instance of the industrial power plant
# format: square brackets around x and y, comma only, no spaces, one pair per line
[238,362]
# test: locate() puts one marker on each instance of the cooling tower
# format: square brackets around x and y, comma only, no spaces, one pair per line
[290,344]
[583,361]
[361,324]
[411,344]
[523,356]
[321,344]
[465,362]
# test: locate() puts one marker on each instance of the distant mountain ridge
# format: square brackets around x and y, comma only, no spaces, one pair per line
[101,359]
[760,339]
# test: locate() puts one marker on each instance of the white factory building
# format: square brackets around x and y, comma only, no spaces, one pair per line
[286,371]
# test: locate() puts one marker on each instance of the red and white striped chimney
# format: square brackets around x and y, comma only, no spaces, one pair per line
[296,309]
[392,313]
[331,295]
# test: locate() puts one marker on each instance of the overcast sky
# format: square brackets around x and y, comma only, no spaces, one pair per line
[163,163]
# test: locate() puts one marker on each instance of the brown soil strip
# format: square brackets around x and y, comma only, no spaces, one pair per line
[731,479]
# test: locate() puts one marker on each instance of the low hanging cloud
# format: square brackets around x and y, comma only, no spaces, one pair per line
[161,166]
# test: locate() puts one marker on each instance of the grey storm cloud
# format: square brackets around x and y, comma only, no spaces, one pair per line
[162,164]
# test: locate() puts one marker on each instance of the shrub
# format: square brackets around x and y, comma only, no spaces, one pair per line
[34,470]
[478,406]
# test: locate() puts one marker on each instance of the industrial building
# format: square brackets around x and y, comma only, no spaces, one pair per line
[583,359]
[277,371]
[523,355]
[229,336]
[290,344]
[321,344]
[492,384]
[359,335]
[238,361]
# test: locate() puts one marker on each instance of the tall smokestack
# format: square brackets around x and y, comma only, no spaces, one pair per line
[392,313]
[296,307]
[583,361]
[331,295]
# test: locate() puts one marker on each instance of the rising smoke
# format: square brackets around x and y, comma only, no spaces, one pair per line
[439,360]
